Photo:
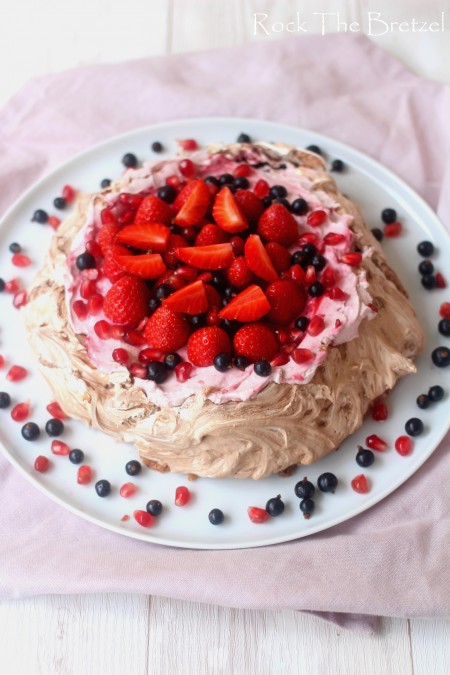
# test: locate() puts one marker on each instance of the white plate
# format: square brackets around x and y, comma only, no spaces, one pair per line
[373,188]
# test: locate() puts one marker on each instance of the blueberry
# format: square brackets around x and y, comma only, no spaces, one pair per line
[40,216]
[59,203]
[262,368]
[157,146]
[133,467]
[154,507]
[426,267]
[337,165]
[229,292]
[304,489]
[241,362]
[2,285]
[365,457]
[171,360]
[444,327]
[300,258]
[103,488]
[5,400]
[377,233]
[429,282]
[307,507]
[316,290]
[241,183]
[129,160]
[309,249]
[197,320]
[167,193]
[30,431]
[299,206]
[85,261]
[156,372]
[284,202]
[315,149]
[244,138]
[15,248]
[436,393]
[231,326]
[54,427]
[318,262]
[275,506]
[76,456]
[219,280]
[222,362]
[213,180]
[277,191]
[441,357]
[153,304]
[106,182]
[302,323]
[216,517]
[226,179]
[414,426]
[389,216]
[267,201]
[423,401]
[425,249]
[327,482]
[163,291]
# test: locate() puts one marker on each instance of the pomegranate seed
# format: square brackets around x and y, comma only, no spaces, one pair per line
[117,332]
[188,273]
[20,299]
[144,518]
[95,303]
[128,490]
[337,323]
[316,326]
[310,276]
[316,218]
[237,244]
[84,475]
[337,293]
[404,445]
[131,201]
[93,248]
[187,168]
[188,144]
[182,495]
[392,229]
[243,170]
[282,336]
[183,371]
[296,336]
[126,217]
[296,273]
[149,354]
[261,189]
[138,370]
[2,361]
[132,337]
[280,360]
[440,281]
[380,411]
[103,329]
[374,442]
[328,279]
[288,349]
[68,193]
[212,318]
[125,518]
[257,515]
[88,287]
[91,275]
[107,216]
[444,310]
[120,356]
[20,260]
[352,259]
[206,277]
[12,286]
[54,222]
[41,464]
[16,373]
[173,181]
[360,484]
[302,355]
[333,239]
[20,412]
[60,448]
[80,309]
[56,411]
[373,307]
[309,238]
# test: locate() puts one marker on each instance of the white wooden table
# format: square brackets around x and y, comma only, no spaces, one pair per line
[124,634]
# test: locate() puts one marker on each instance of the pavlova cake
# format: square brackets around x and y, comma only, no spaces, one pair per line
[228,311]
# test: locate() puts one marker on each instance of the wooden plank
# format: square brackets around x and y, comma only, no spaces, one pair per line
[430,646]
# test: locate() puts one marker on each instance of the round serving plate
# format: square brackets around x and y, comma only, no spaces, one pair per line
[373,188]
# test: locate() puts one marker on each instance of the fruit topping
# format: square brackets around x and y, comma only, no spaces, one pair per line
[192,299]
[126,301]
[206,343]
[167,330]
[258,259]
[228,214]
[249,305]
[255,342]
[213,257]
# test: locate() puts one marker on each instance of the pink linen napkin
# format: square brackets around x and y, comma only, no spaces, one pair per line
[392,560]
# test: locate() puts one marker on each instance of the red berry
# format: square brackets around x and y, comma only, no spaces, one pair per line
[182,495]
[16,373]
[440,281]
[126,302]
[277,224]
[167,330]
[327,278]
[54,222]
[153,210]
[12,286]
[360,484]
[333,239]
[279,255]
[238,273]
[286,300]
[132,337]
[255,341]
[210,234]
[20,260]
[316,325]
[20,299]
[88,287]
[249,305]
[302,355]
[280,360]
[191,299]
[336,293]
[120,355]
[80,309]
[107,216]
[237,244]
[243,170]
[205,344]
[144,518]
[110,267]
[392,229]
[148,354]
[128,490]
[68,193]
[228,213]
[138,370]
[183,371]
[103,329]
[295,273]
[60,448]
[56,411]
[107,236]
[310,276]
[380,411]
[309,238]
[316,218]
[194,200]
[174,181]
[20,412]
[261,189]
[188,144]
[404,445]
[444,310]
[257,515]
[352,259]
[258,259]
[95,304]
[84,475]
[213,257]
[176,241]
[41,464]
[2,361]
[186,168]
[374,442]
[213,318]
[187,273]
[250,205]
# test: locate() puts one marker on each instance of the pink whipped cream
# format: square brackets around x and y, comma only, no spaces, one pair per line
[342,317]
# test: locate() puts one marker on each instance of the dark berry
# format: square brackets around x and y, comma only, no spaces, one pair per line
[213,180]
[15,248]
[414,426]
[318,261]
[436,393]
[197,320]
[157,146]
[40,216]
[299,206]
[154,507]
[167,193]
[76,456]
[241,183]
[304,489]
[153,304]
[327,482]
[172,360]
[133,467]
[103,488]
[429,282]
[156,372]
[226,179]
[85,261]
[277,191]
[337,165]
[229,292]
[244,138]
[222,362]
[309,249]
[425,249]
[423,401]
[219,280]
[275,506]
[315,149]
[106,182]
[389,216]
[300,258]
[283,201]
[365,457]
[377,233]
[59,203]
[307,507]
[441,357]
[163,291]
[263,368]
[241,362]
[426,267]
[129,160]
[2,285]
[54,427]
[316,290]
[302,323]
[444,327]
[30,431]
[216,517]
[5,400]
[231,326]
[267,201]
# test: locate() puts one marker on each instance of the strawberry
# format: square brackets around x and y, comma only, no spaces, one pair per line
[169,256]
[277,224]
[110,267]
[151,237]
[279,255]
[107,236]
[126,302]
[249,305]
[256,341]
[191,299]
[213,295]
[196,205]
[250,205]
[153,210]
[213,257]
[210,234]
[167,330]
[144,266]
[205,344]
[227,213]
[258,259]
[183,195]
[238,273]
[286,300]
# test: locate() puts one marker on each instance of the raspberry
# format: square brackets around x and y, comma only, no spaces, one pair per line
[126,302]
[167,330]
[206,343]
[256,342]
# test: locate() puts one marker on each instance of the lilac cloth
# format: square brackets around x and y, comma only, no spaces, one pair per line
[392,560]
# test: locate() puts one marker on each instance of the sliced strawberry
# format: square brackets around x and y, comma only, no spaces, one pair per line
[191,299]
[214,257]
[210,234]
[279,255]
[110,267]
[258,259]
[277,224]
[153,210]
[249,305]
[250,205]
[238,273]
[144,266]
[286,301]
[227,214]
[183,195]
[169,256]
[196,205]
[213,295]
[152,237]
